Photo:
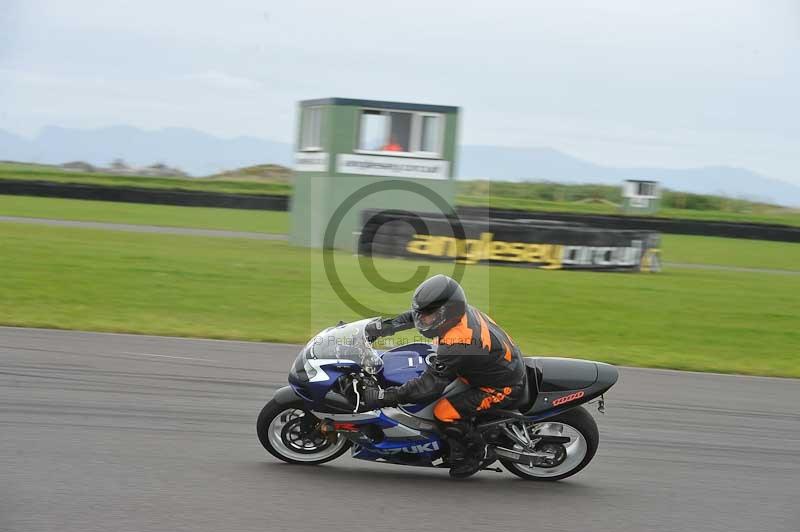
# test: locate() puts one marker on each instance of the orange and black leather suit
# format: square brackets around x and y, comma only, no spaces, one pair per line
[478,352]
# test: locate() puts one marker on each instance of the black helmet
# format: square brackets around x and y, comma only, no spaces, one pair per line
[437,305]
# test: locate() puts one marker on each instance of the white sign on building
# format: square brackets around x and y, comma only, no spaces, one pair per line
[311,161]
[392,166]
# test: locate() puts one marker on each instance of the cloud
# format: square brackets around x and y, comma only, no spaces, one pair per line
[223,80]
[675,84]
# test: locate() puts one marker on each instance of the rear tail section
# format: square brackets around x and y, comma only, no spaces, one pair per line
[558,384]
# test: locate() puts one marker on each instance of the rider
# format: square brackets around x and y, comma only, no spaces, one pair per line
[470,347]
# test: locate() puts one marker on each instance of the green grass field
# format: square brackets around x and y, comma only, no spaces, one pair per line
[145,214]
[247,289]
[736,252]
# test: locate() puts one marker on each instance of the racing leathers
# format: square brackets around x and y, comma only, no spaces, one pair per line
[476,351]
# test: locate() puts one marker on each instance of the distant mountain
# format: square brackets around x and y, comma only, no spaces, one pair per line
[201,154]
[193,151]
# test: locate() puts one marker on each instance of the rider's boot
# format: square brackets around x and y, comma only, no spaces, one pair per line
[467,450]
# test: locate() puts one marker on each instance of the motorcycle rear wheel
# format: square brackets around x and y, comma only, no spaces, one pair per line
[283,434]
[580,451]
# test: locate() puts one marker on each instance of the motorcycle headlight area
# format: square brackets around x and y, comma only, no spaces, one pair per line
[301,369]
[310,370]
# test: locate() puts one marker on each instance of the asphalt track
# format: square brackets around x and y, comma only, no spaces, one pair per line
[104,432]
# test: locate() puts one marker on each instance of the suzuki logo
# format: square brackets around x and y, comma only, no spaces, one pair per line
[568,398]
[414,449]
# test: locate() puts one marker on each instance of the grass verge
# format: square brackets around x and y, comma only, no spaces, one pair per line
[246,289]
[737,252]
[146,214]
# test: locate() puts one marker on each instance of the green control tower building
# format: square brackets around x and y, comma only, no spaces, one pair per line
[362,154]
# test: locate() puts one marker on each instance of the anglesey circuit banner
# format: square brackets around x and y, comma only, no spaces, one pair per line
[530,243]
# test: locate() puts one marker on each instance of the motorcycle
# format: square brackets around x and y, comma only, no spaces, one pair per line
[547,435]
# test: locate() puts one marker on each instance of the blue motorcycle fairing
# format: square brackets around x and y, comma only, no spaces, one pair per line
[326,373]
[406,362]
[416,450]
[418,453]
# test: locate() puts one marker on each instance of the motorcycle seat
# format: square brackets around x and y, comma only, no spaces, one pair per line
[528,395]
[522,403]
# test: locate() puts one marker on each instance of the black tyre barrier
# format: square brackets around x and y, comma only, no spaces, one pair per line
[186,198]
[678,226]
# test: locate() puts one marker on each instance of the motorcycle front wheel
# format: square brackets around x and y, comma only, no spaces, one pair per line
[288,432]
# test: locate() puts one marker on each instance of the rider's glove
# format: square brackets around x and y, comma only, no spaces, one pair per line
[373,330]
[374,397]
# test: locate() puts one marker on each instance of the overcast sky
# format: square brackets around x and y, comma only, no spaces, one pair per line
[673,83]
